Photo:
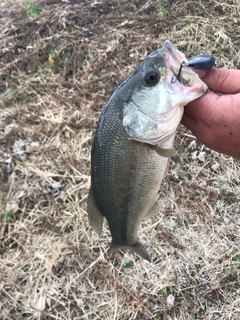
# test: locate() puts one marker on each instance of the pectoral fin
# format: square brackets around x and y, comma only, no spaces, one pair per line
[167,153]
[95,217]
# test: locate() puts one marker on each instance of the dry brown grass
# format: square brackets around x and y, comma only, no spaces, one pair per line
[53,266]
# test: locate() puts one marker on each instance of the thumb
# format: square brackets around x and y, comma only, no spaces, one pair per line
[223,80]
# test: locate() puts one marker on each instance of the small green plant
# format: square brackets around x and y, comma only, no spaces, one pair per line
[10,93]
[52,51]
[128,265]
[200,10]
[7,216]
[33,9]
[162,10]
[237,257]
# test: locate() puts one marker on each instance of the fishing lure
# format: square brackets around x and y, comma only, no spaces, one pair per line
[200,62]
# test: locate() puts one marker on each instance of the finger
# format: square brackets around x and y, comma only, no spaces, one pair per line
[212,107]
[199,108]
[223,80]
[189,122]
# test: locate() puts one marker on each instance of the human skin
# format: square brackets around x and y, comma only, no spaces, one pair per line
[215,119]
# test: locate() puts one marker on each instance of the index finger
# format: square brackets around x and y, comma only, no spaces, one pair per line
[223,80]
[202,109]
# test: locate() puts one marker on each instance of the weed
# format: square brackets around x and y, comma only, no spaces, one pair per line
[7,216]
[237,257]
[199,10]
[128,265]
[33,9]
[162,10]
[10,93]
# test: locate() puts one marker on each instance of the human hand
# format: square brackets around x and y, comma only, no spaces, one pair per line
[215,119]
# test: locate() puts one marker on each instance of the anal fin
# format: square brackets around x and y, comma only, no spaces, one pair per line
[95,217]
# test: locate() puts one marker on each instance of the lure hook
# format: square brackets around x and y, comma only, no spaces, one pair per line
[183,64]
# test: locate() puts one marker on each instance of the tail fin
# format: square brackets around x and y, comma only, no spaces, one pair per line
[137,247]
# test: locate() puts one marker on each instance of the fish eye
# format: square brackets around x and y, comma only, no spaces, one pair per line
[151,78]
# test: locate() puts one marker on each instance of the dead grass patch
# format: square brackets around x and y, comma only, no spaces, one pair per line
[57,71]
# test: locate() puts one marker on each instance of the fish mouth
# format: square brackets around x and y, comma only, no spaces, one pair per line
[178,78]
[177,56]
[175,61]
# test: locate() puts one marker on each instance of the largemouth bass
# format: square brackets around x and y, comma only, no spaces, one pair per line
[133,143]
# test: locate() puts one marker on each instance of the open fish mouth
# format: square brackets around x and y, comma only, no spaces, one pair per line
[175,61]
[177,56]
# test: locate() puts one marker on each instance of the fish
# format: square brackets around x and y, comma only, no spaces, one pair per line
[133,145]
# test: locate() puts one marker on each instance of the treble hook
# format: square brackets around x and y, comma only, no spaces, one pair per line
[183,64]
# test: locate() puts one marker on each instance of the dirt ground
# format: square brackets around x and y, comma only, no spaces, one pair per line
[59,63]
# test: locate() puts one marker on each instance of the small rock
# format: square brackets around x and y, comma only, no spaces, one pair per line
[170,300]
[40,304]
[201,156]
[215,166]
[204,282]
[19,150]
[192,145]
